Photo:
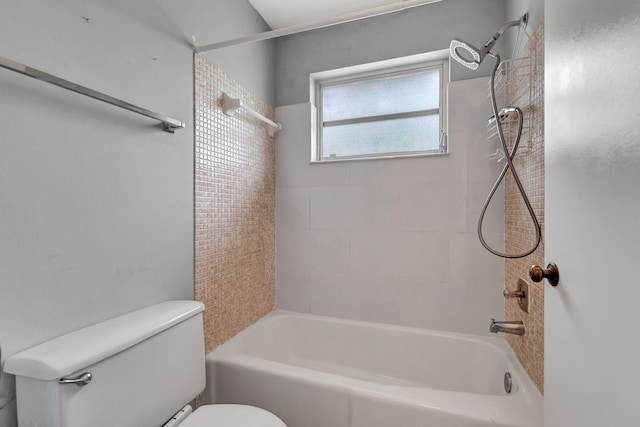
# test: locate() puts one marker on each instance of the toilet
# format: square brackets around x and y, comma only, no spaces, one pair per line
[140,369]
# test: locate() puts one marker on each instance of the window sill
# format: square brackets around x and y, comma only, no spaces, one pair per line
[394,156]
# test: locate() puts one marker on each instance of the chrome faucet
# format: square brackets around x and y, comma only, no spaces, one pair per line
[515,327]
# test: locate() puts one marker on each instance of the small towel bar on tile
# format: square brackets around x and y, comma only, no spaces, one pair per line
[231,105]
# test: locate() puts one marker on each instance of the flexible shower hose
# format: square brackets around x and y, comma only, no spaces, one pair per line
[509,155]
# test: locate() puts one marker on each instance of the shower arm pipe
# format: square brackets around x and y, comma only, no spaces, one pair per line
[314,25]
[231,105]
[524,20]
[168,124]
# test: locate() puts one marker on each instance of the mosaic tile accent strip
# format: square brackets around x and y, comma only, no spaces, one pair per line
[234,208]
[519,232]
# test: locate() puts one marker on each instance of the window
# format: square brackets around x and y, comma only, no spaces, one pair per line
[385,113]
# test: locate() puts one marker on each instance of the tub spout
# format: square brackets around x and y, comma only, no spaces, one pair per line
[515,327]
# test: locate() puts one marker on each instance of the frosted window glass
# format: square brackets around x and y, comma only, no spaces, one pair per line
[388,95]
[387,136]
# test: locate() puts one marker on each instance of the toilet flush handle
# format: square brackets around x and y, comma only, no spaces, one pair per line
[80,381]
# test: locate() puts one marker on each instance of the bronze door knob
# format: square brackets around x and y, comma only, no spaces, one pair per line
[552,274]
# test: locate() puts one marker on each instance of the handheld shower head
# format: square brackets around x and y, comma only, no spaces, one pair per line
[470,56]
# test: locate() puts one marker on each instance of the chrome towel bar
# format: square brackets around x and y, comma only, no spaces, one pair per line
[169,124]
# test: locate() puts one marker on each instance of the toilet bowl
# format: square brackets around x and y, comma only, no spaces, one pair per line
[232,416]
[138,369]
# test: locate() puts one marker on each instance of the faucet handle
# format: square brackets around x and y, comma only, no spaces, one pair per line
[513,294]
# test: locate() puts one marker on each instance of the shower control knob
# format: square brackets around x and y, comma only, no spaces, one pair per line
[513,294]
[552,274]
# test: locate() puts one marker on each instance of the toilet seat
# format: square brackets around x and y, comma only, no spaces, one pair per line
[231,416]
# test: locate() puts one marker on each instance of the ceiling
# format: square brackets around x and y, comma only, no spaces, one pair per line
[284,13]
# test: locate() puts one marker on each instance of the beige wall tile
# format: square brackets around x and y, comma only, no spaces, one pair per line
[519,232]
[234,208]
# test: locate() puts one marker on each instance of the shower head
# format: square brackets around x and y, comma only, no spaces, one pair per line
[467,54]
[470,56]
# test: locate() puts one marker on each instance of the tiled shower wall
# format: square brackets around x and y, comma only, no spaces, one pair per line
[519,231]
[234,208]
[392,240]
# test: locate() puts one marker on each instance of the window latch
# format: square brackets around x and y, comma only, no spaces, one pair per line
[443,142]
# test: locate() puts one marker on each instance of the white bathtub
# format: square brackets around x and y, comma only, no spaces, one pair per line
[316,371]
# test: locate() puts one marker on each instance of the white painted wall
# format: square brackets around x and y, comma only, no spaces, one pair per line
[96,205]
[418,30]
[592,156]
[253,64]
[391,240]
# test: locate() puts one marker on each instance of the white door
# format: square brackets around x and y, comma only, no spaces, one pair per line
[592,119]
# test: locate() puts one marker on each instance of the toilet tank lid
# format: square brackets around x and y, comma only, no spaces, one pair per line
[82,348]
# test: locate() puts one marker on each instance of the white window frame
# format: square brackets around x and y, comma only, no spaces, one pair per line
[382,69]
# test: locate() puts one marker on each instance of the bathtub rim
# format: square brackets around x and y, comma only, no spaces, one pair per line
[526,402]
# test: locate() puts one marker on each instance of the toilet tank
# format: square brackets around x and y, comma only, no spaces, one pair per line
[145,366]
